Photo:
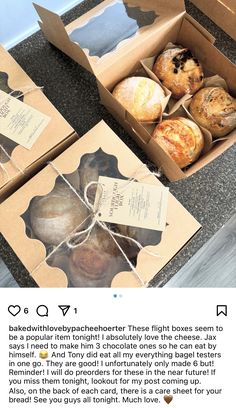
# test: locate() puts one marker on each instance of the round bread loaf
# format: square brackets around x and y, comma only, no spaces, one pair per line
[89,262]
[54,216]
[179,71]
[96,262]
[141,97]
[214,109]
[181,138]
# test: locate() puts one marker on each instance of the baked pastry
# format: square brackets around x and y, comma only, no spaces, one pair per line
[54,216]
[181,138]
[179,71]
[96,262]
[214,109]
[141,97]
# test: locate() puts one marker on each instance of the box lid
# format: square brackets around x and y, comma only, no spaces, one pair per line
[180,227]
[14,79]
[210,4]
[129,24]
[222,12]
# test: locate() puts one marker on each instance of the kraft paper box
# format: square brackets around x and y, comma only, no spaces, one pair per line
[18,162]
[52,259]
[222,12]
[113,53]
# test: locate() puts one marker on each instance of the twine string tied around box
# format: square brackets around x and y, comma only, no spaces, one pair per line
[24,91]
[27,89]
[73,239]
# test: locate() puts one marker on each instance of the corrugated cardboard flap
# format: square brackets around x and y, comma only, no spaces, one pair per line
[200,28]
[55,31]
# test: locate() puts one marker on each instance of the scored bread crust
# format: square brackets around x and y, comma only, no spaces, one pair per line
[179,71]
[181,139]
[214,109]
[141,97]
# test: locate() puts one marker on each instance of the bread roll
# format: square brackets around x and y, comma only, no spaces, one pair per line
[181,138]
[141,97]
[54,216]
[89,266]
[179,71]
[214,109]
[96,262]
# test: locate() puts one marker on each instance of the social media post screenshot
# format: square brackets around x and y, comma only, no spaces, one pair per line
[118,347]
[117,203]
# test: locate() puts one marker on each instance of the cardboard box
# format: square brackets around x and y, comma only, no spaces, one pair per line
[56,136]
[171,24]
[222,12]
[99,152]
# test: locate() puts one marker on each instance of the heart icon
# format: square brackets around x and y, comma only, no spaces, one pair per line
[14,310]
[168,398]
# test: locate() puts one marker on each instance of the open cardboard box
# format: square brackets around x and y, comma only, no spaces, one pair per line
[99,149]
[57,135]
[170,23]
[222,12]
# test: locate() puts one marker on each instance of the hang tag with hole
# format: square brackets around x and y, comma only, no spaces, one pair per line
[20,122]
[131,203]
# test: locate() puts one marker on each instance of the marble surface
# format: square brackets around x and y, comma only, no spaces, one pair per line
[6,278]
[209,194]
[214,265]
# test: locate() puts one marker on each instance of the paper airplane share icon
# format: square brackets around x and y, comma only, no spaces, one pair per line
[64,309]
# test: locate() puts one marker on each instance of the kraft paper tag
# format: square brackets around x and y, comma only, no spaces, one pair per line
[131,203]
[20,122]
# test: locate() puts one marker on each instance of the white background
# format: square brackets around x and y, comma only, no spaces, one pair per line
[131,306]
